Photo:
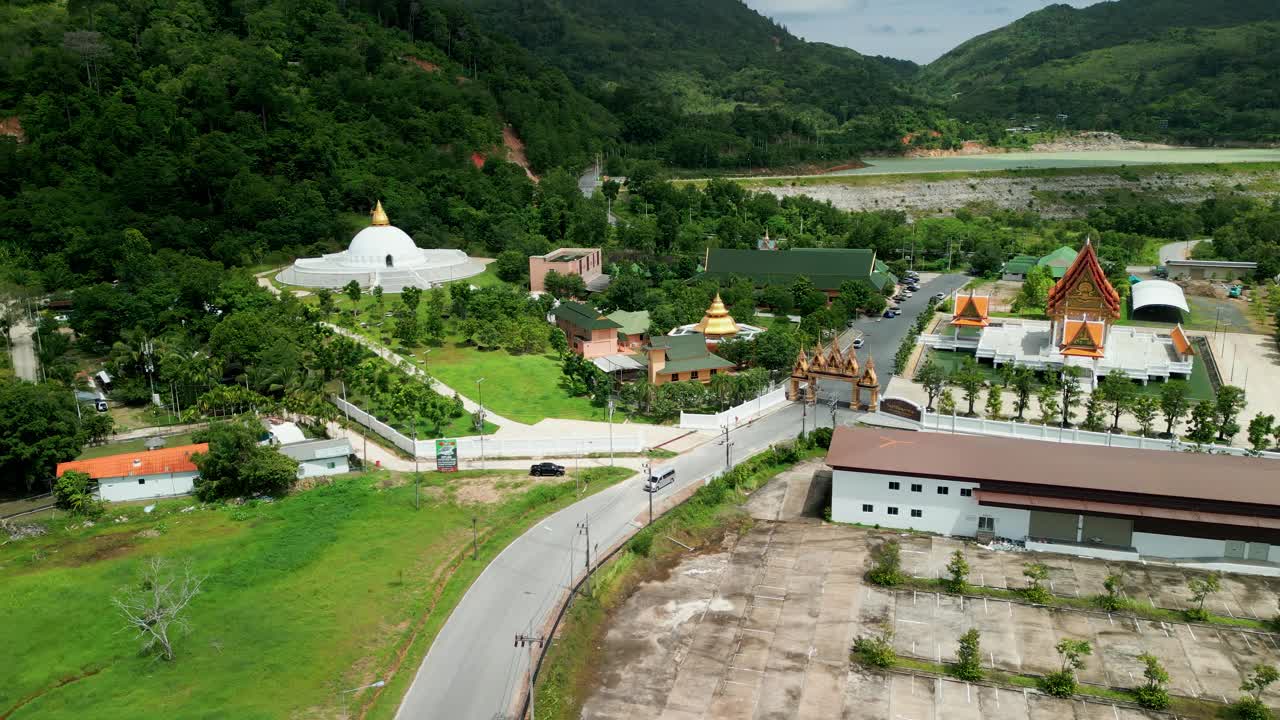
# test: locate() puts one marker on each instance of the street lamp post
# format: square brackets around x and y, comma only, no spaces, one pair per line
[480,397]
[347,693]
[610,431]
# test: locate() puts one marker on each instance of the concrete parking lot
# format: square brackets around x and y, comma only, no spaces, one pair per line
[762,628]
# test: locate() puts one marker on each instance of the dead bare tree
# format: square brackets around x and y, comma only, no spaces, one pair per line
[157,604]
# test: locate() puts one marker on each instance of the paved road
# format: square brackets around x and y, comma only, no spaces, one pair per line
[472,671]
[24,352]
[1177,250]
[883,336]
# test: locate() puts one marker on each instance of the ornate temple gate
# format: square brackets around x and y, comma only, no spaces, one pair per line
[833,364]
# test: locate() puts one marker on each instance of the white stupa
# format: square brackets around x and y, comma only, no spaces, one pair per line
[384,255]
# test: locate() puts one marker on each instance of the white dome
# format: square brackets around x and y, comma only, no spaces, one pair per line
[373,244]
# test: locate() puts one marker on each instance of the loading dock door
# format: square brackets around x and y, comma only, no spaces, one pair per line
[1259,551]
[1053,525]
[1117,532]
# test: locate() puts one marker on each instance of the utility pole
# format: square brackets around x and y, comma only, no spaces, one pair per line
[480,397]
[584,528]
[475,540]
[647,475]
[833,413]
[530,641]
[611,430]
[417,477]
[727,463]
[76,398]
[804,415]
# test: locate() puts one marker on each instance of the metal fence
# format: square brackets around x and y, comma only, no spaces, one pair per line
[471,447]
[1010,428]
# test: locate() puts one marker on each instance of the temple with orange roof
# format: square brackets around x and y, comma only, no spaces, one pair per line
[1083,307]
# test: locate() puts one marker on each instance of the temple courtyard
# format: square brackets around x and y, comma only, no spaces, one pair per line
[763,626]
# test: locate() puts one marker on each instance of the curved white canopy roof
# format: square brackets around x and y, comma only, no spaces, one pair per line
[1158,292]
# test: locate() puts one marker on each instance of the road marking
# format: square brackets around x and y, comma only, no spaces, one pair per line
[769,597]
[911,622]
[1246,641]
[1117,712]
[1193,633]
[762,632]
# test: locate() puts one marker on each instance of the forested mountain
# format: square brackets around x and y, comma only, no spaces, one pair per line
[239,132]
[1193,70]
[706,83]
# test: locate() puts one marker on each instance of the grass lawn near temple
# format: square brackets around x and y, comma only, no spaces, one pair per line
[323,590]
[1198,384]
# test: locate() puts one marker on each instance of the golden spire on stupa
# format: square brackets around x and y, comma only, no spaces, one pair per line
[379,215]
[717,322]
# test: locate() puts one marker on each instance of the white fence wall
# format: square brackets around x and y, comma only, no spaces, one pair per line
[469,448]
[1009,428]
[734,415]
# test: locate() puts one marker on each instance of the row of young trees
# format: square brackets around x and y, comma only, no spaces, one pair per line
[1058,397]
[877,650]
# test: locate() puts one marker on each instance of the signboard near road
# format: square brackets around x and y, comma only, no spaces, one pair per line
[902,408]
[447,455]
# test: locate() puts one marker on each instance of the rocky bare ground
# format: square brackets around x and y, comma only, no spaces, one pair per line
[1060,196]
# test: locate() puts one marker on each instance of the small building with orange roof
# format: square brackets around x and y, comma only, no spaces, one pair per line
[142,474]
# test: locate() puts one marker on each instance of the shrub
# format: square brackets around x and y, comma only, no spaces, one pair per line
[1153,695]
[876,650]
[1112,600]
[969,656]
[822,437]
[1036,573]
[1060,683]
[1201,589]
[642,543]
[1251,706]
[73,492]
[887,571]
[957,573]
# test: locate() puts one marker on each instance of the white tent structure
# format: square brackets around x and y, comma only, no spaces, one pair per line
[1158,292]
[382,255]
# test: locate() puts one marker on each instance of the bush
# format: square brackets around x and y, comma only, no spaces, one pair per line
[876,650]
[1112,600]
[1151,698]
[1035,592]
[822,437]
[887,571]
[1249,709]
[642,543]
[969,656]
[957,580]
[73,492]
[1060,683]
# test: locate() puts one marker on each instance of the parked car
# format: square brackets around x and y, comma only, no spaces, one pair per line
[659,478]
[899,297]
[939,296]
[547,469]
[858,342]
[890,314]
[913,287]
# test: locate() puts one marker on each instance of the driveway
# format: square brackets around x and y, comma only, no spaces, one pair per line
[882,336]
[24,352]
[1177,250]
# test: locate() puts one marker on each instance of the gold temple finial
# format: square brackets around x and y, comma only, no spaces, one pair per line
[379,215]
[716,321]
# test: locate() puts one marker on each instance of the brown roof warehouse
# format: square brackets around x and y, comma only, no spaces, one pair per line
[1114,503]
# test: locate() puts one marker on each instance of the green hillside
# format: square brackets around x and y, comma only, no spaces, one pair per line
[1193,71]
[713,83]
[243,132]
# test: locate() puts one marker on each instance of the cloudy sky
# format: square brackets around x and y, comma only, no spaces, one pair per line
[918,30]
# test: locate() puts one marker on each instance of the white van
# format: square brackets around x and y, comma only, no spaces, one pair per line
[660,478]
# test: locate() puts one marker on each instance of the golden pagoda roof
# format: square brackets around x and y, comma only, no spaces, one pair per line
[379,215]
[869,377]
[717,322]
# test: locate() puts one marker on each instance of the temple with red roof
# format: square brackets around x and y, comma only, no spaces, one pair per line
[1083,307]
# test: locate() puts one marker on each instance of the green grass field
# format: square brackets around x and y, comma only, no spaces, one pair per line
[324,590]
[97,451]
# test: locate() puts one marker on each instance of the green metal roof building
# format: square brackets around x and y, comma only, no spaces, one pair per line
[684,354]
[826,268]
[583,316]
[631,322]
[1058,261]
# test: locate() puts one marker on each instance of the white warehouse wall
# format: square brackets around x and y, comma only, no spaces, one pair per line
[1174,546]
[315,468]
[950,514]
[142,487]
